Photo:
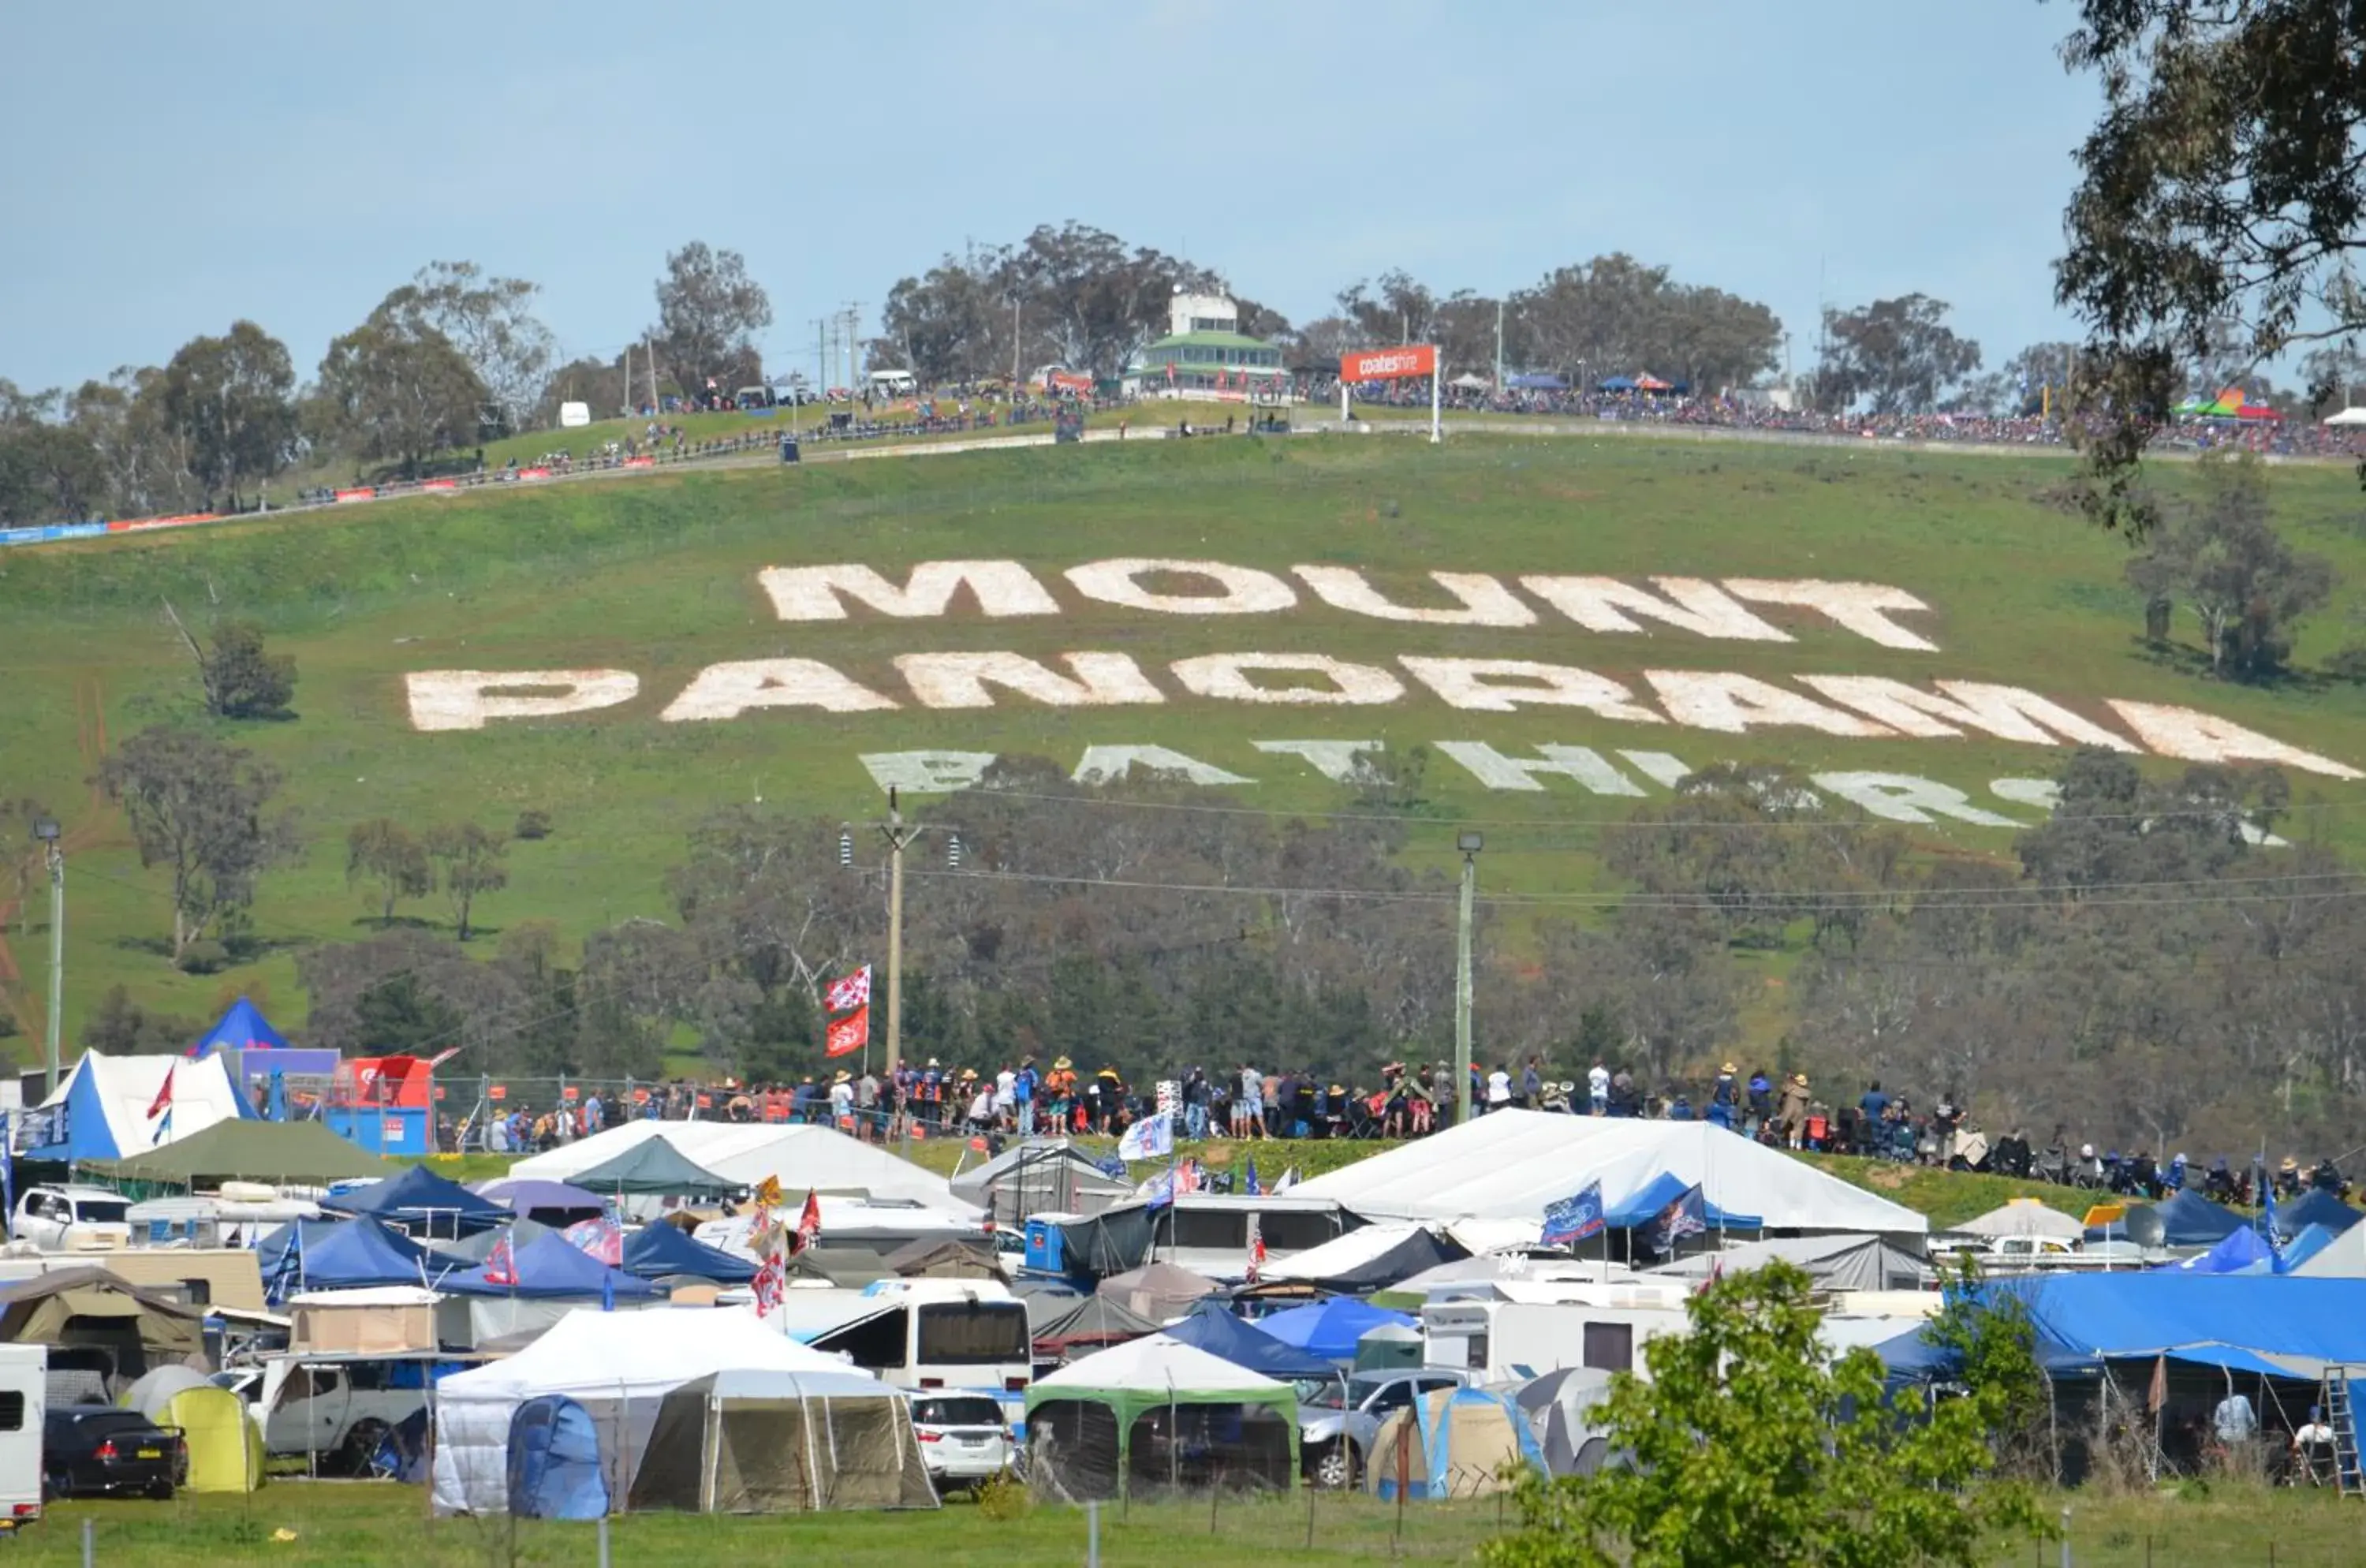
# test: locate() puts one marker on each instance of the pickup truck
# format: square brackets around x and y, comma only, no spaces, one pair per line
[73,1219]
[339,1410]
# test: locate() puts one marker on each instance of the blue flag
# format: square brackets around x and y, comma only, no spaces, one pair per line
[1251,1187]
[1687,1215]
[1575,1217]
[1111,1164]
[7,1173]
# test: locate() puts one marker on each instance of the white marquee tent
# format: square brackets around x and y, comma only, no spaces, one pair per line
[619,1365]
[804,1157]
[2024,1217]
[101,1108]
[1511,1164]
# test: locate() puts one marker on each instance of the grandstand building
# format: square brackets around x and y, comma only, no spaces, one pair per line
[1205,351]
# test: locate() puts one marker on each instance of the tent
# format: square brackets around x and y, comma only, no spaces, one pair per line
[1511,1164]
[242,1028]
[1536,383]
[224,1444]
[1160,1291]
[652,1168]
[1615,384]
[617,1365]
[2316,1207]
[554,1203]
[1453,1442]
[1560,1408]
[340,1255]
[467,1251]
[656,1252]
[298,1153]
[1370,1257]
[421,1197]
[371,1321]
[1330,1329]
[1645,1206]
[100,1112]
[1833,1262]
[2312,1240]
[2346,417]
[741,1154]
[127,1328]
[2343,1257]
[550,1268]
[760,1442]
[2242,1252]
[1155,1415]
[1039,1176]
[2188,1219]
[2282,1325]
[1470,381]
[1220,1333]
[1647,382]
[554,1463]
[946,1257]
[2024,1216]
[1061,1324]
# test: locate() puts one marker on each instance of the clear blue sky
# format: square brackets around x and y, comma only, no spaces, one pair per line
[174,167]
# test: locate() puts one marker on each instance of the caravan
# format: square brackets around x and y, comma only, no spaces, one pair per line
[24,1406]
[1491,1341]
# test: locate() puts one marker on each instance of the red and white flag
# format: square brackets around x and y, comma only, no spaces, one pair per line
[854,991]
[163,1101]
[1257,1250]
[809,1223]
[500,1264]
[849,1034]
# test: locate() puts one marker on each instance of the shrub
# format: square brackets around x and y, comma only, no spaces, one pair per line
[532,825]
[204,958]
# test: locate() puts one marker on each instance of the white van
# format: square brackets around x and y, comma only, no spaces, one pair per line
[894,383]
[24,1410]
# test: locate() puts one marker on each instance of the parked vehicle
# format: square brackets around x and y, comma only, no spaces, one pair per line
[340,1410]
[962,1439]
[1338,1424]
[97,1450]
[24,1401]
[73,1219]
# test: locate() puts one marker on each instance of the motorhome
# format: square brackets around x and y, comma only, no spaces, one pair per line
[920,1334]
[1492,1340]
[24,1407]
[216,1219]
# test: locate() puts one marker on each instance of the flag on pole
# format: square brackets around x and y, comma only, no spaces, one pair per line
[1686,1216]
[809,1223]
[1249,1186]
[1288,1179]
[163,1104]
[601,1238]
[854,991]
[847,1035]
[500,1264]
[1257,1250]
[1153,1137]
[1574,1218]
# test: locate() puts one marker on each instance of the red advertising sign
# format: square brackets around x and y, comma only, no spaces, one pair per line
[523,473]
[439,484]
[363,494]
[1390,363]
[640,463]
[1068,381]
[497,1091]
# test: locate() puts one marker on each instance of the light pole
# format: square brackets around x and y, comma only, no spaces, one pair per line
[1469,844]
[897,836]
[46,830]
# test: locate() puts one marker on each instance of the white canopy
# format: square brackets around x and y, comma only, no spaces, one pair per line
[2024,1217]
[1511,1164]
[1157,1363]
[2343,1257]
[622,1357]
[2347,416]
[820,1159]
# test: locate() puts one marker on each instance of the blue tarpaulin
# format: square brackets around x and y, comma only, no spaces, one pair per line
[1646,1203]
[242,1028]
[1330,1329]
[654,1251]
[2144,1313]
[2241,1252]
[550,1266]
[2315,1207]
[2190,1219]
[1211,1328]
[1617,383]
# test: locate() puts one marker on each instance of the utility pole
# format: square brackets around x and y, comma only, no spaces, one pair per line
[1499,345]
[1469,844]
[46,830]
[650,354]
[853,325]
[897,836]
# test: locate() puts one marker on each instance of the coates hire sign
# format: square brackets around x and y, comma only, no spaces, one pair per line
[1388,364]
[1666,709]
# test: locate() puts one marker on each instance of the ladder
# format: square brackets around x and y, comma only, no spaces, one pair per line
[2341,1415]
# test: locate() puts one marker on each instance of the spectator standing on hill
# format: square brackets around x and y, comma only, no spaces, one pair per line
[1794,1117]
[1598,1088]
[1248,1105]
[1499,1090]
[1532,1086]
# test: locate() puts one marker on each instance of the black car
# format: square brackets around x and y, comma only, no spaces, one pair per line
[96,1449]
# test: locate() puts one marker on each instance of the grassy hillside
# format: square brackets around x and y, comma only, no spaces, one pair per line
[658,577]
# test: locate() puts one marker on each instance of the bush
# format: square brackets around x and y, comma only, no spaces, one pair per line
[206,957]
[532,825]
[1002,1498]
[2349,664]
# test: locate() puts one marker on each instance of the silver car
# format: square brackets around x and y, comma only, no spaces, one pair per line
[962,1439]
[1337,1423]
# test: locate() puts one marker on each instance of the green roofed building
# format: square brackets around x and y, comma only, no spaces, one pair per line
[1205,350]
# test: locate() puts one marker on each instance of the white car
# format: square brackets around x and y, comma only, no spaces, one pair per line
[339,1410]
[73,1219]
[962,1439]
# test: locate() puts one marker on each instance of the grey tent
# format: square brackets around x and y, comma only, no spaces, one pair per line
[953,1257]
[1839,1262]
[1073,1325]
[769,1442]
[1041,1175]
[1159,1291]
[654,1165]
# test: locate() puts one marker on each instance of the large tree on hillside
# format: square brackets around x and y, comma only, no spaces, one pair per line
[203,811]
[49,472]
[709,311]
[232,399]
[395,390]
[490,322]
[2225,561]
[1100,301]
[2223,186]
[1894,356]
[1614,315]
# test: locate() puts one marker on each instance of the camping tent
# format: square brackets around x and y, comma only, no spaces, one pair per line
[2346,417]
[123,1329]
[1511,1164]
[242,1028]
[421,1197]
[302,1153]
[1040,1176]
[548,1268]
[757,1442]
[553,1202]
[1211,1328]
[946,1257]
[1833,1262]
[653,1168]
[617,1365]
[1157,1415]
[1370,1257]
[101,1110]
[2343,1257]
[224,1445]
[2188,1219]
[1061,1323]
[371,1321]
[2024,1216]
[2241,1252]
[2316,1207]
[2284,1326]
[2312,1240]
[329,1254]
[1330,1329]
[1617,383]
[741,1154]
[555,1467]
[1453,1442]
[1560,1408]
[656,1252]
[468,1251]
[1645,1206]
[1160,1291]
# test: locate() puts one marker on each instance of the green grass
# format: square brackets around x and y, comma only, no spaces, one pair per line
[348,1524]
[658,575]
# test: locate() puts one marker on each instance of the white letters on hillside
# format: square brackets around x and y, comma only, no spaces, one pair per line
[960,679]
[1485,602]
[927,772]
[813,592]
[727,690]
[1107,764]
[1862,607]
[1496,771]
[2006,712]
[1606,605]
[465,699]
[1334,760]
[1733,703]
[1505,685]
[1225,676]
[1903,798]
[2201,738]
[1243,590]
